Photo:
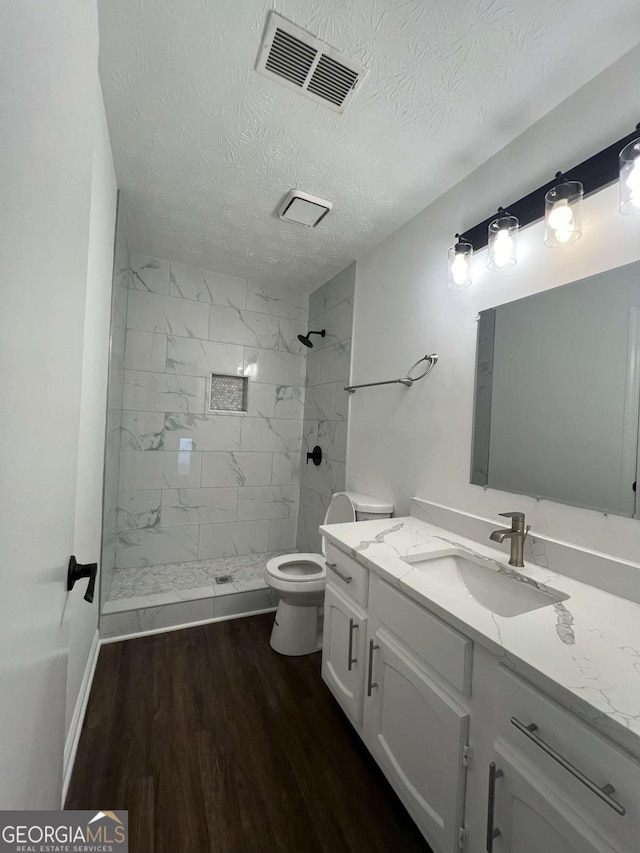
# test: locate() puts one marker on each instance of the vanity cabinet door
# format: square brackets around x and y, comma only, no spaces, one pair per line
[572,756]
[343,651]
[528,815]
[417,733]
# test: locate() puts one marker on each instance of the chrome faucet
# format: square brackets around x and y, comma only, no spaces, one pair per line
[517,534]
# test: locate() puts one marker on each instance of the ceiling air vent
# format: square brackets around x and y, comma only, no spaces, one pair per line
[298,60]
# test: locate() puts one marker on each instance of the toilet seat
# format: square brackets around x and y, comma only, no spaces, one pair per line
[298,568]
[288,572]
[305,573]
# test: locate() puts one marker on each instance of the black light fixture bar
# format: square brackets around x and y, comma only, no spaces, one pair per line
[594,173]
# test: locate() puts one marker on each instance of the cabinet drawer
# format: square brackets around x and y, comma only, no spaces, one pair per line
[572,756]
[347,574]
[441,647]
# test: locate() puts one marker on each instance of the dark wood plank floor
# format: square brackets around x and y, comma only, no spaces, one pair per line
[213,742]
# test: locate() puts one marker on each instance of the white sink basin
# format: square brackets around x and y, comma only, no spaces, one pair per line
[498,587]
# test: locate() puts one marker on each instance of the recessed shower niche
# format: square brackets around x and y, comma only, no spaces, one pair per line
[228,393]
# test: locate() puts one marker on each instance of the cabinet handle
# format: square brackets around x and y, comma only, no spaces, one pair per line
[603,792]
[370,683]
[492,830]
[334,568]
[352,627]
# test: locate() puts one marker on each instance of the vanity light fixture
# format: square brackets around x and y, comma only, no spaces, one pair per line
[563,213]
[459,264]
[629,182]
[560,200]
[502,240]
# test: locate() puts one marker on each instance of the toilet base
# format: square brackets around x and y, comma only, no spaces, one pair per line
[297,629]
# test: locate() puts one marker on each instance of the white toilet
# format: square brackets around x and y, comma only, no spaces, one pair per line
[300,579]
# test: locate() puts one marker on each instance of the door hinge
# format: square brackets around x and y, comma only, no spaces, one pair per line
[467,756]
[463,837]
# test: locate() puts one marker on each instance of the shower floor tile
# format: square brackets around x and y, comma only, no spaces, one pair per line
[173,582]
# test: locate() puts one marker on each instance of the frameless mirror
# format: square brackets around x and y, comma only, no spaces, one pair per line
[557,393]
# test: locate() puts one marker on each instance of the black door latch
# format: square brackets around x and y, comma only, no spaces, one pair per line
[77,571]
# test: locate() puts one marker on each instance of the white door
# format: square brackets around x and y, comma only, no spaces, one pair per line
[81,615]
[343,651]
[49,103]
[528,816]
[417,733]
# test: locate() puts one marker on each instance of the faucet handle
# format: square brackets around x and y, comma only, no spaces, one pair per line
[519,516]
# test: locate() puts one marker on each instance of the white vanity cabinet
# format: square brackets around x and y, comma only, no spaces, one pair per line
[418,734]
[585,783]
[526,815]
[404,677]
[343,651]
[373,660]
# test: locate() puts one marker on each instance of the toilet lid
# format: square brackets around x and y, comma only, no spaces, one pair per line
[297,567]
[341,511]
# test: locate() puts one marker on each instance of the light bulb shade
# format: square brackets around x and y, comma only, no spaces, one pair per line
[563,214]
[459,265]
[502,242]
[629,161]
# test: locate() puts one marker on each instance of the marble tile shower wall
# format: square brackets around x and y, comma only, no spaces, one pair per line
[196,485]
[326,403]
[114,403]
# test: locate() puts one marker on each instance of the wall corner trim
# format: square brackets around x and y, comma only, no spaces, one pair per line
[73,736]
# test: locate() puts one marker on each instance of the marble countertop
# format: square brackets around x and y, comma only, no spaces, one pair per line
[585,650]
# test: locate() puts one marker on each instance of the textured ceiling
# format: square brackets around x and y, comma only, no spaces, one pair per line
[205,147]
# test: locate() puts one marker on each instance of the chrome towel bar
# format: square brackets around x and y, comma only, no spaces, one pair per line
[408,380]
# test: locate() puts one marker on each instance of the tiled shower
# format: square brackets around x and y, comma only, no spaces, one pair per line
[198,499]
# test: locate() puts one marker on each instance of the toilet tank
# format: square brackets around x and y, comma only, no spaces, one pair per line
[345,507]
[370,516]
[369,508]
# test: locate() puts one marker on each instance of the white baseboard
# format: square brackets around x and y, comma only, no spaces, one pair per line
[132,636]
[73,737]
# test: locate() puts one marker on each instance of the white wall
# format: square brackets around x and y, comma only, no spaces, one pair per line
[417,441]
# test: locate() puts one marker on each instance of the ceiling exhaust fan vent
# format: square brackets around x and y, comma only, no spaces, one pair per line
[303,208]
[295,58]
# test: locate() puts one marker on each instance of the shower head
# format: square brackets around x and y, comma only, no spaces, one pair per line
[305,339]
